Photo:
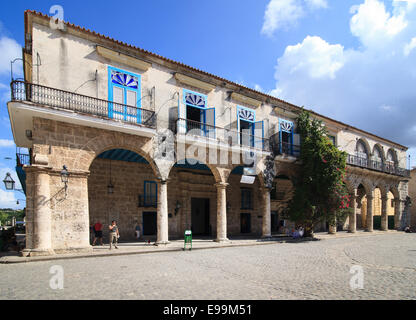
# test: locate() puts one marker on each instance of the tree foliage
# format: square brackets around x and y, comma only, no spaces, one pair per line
[320,192]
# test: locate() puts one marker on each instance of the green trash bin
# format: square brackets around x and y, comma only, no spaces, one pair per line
[187,239]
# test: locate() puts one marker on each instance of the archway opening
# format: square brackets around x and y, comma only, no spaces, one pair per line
[393,208]
[192,199]
[361,218]
[377,209]
[244,205]
[280,196]
[122,186]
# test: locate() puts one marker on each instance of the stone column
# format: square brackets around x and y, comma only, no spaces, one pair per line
[162,213]
[266,223]
[332,227]
[221,212]
[39,240]
[384,216]
[398,211]
[352,223]
[369,227]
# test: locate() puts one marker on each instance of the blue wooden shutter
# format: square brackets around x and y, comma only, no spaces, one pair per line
[258,134]
[210,122]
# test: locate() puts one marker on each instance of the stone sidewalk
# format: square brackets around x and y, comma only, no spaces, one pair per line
[130,248]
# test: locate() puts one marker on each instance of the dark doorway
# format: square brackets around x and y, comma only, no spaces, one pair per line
[149,223]
[245,220]
[200,216]
[246,137]
[274,221]
[194,114]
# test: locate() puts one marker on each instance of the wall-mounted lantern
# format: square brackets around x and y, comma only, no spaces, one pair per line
[65,177]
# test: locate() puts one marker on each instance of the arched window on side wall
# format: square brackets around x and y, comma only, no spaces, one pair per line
[390,161]
[377,158]
[362,154]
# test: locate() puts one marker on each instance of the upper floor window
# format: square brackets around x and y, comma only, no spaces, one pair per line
[150,194]
[124,91]
[246,199]
[378,156]
[251,132]
[332,139]
[286,136]
[361,150]
[195,116]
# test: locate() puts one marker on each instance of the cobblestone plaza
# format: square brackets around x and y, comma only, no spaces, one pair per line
[304,270]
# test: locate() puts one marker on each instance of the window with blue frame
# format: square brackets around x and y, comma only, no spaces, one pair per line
[251,133]
[150,194]
[124,91]
[246,199]
[332,138]
[285,136]
[200,120]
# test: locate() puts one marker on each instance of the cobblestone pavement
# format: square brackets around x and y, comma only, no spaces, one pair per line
[306,270]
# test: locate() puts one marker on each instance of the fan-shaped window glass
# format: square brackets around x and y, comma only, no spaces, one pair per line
[124,93]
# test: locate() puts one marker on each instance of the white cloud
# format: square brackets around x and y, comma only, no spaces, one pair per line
[282,14]
[374,25]
[371,87]
[6,143]
[409,46]
[8,199]
[317,4]
[314,56]
[10,50]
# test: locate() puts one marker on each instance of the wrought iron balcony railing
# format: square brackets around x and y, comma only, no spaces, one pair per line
[23,159]
[52,97]
[222,135]
[390,168]
[148,201]
[283,148]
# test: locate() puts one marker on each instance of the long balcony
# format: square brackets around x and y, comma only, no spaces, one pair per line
[56,98]
[390,168]
[224,136]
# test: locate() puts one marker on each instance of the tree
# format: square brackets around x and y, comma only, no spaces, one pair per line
[320,192]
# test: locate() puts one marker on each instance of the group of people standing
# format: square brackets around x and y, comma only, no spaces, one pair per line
[114,233]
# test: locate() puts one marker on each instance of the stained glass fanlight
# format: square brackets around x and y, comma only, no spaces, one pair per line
[286,126]
[246,115]
[124,79]
[194,99]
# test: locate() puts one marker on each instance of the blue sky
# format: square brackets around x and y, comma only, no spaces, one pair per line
[352,60]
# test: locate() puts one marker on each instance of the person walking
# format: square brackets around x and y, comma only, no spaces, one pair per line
[98,232]
[137,231]
[114,233]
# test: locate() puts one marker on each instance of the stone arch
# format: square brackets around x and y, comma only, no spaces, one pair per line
[102,143]
[220,174]
[365,144]
[391,155]
[140,152]
[378,148]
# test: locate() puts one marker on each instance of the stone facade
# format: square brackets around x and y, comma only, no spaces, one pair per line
[75,72]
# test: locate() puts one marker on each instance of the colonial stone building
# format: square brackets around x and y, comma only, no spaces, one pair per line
[151,141]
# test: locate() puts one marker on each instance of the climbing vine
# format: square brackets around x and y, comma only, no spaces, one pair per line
[320,190]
